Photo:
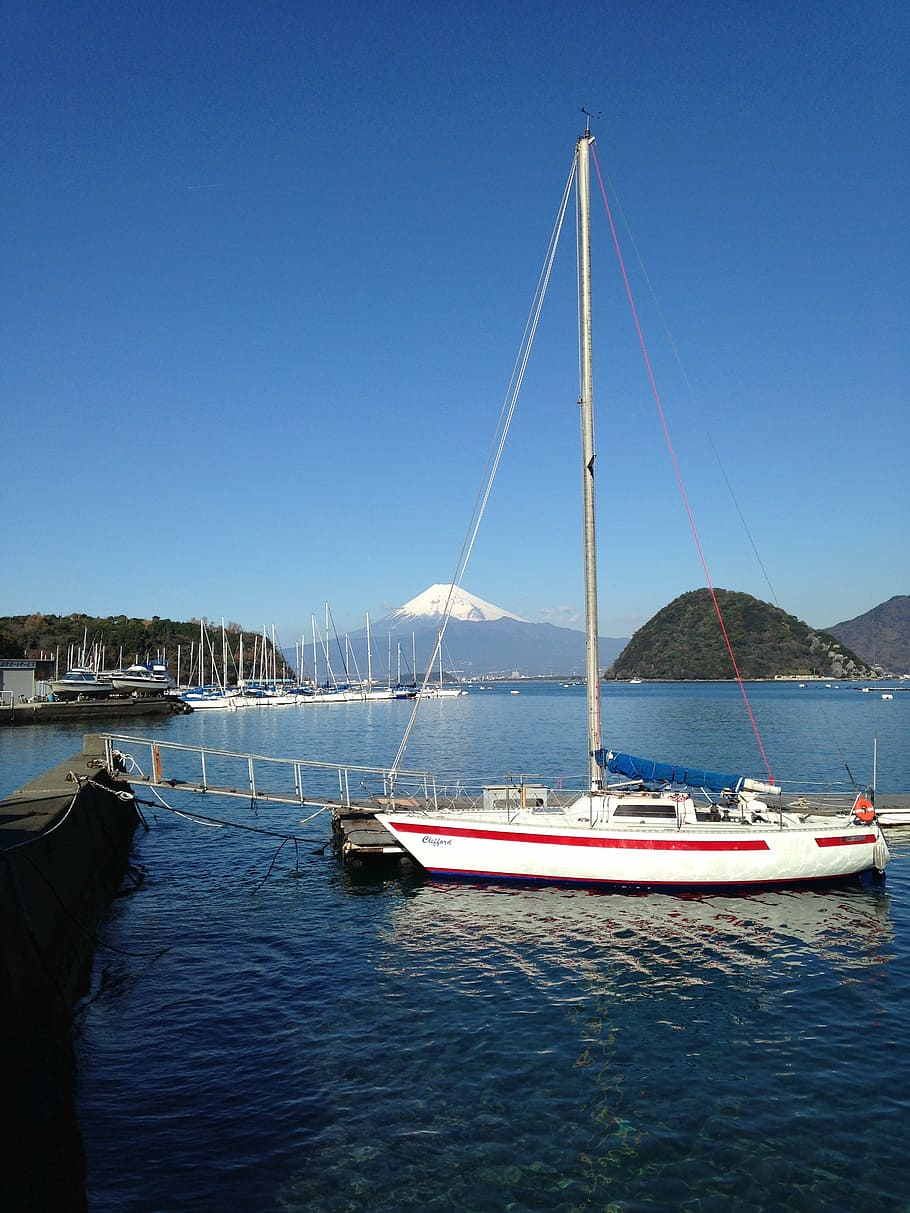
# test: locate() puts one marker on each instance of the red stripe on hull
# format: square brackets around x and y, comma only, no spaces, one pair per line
[845,840]
[569,840]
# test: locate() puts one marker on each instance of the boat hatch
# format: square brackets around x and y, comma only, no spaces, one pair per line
[648,809]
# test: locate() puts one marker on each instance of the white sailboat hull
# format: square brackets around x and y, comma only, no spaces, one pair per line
[210,700]
[687,857]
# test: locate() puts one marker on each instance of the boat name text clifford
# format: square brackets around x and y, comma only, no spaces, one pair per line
[436,842]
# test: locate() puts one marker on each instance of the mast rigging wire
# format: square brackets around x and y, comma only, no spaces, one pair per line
[494,454]
[676,469]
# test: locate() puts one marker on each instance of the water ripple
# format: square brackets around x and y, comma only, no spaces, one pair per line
[317,1044]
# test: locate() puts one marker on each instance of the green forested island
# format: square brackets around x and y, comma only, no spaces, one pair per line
[684,642]
[114,640]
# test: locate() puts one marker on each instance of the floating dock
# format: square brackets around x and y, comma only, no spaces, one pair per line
[42,711]
[360,842]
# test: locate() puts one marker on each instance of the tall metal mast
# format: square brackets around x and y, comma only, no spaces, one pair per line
[592,656]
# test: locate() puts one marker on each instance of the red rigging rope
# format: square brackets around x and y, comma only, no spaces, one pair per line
[679,480]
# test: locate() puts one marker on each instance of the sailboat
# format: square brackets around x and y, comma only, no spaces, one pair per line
[647,830]
[440,690]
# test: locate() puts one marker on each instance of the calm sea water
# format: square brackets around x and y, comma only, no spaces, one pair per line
[307,1041]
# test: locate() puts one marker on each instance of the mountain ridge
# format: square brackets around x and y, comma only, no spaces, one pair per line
[432,603]
[481,639]
[880,635]
[484,640]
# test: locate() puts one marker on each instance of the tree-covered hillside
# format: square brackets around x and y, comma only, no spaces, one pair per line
[684,642]
[108,642]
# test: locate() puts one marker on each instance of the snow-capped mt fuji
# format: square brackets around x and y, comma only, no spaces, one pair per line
[431,604]
[483,639]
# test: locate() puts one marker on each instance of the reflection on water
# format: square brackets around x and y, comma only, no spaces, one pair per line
[650,1049]
[553,1049]
[315,1044]
[408,1045]
[664,941]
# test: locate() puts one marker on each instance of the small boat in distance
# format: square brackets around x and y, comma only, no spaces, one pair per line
[211,696]
[646,830]
[81,683]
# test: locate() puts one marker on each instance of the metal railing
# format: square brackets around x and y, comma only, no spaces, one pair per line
[297,781]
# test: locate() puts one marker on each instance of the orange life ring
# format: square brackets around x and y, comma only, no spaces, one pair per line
[864,810]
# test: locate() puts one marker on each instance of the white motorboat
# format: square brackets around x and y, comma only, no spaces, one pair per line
[140,680]
[81,683]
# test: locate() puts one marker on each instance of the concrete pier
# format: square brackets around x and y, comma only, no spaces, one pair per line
[40,711]
[64,846]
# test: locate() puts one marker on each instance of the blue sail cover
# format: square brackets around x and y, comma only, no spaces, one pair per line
[649,771]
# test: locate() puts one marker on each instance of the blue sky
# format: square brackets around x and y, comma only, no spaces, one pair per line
[266,267]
